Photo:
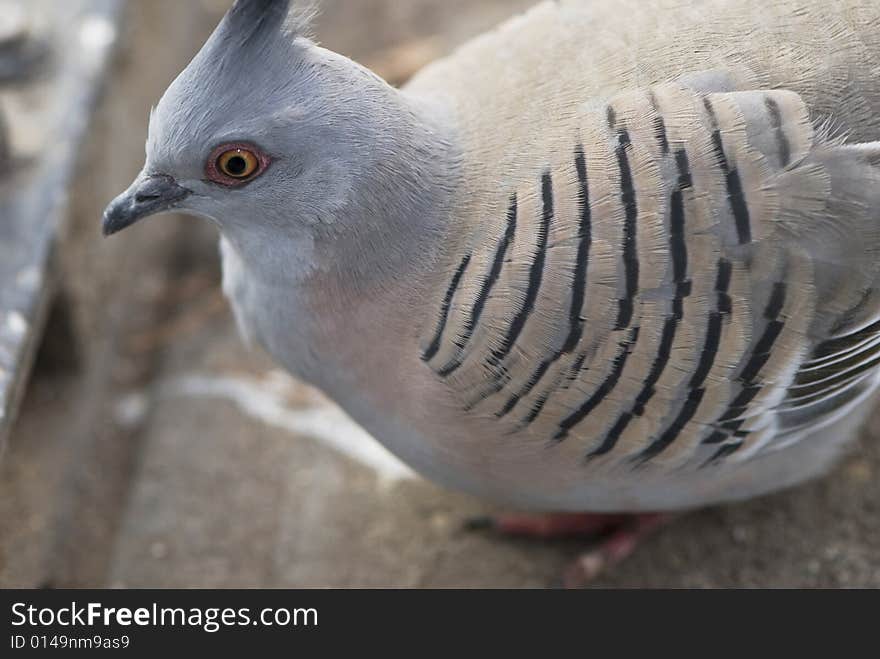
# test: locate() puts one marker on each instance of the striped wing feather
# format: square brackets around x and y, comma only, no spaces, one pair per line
[665,288]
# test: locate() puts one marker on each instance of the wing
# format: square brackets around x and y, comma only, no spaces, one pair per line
[686,275]
[839,374]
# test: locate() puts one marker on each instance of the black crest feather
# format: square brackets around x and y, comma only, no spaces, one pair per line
[257,16]
[248,19]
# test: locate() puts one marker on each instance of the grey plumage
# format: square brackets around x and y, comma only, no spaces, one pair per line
[601,258]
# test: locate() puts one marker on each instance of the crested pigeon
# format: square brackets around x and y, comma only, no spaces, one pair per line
[609,257]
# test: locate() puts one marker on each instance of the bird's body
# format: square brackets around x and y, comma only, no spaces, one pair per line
[612,256]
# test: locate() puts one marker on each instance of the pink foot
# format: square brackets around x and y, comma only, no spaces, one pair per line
[556,525]
[613,548]
[617,537]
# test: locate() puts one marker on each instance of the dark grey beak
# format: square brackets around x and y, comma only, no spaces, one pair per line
[148,195]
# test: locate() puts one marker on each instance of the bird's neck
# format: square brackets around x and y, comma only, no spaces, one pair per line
[400,209]
[381,249]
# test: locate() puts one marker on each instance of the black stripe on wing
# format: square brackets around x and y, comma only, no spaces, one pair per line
[678,250]
[479,305]
[735,193]
[536,277]
[434,346]
[782,144]
[696,389]
[731,421]
[625,348]
[631,214]
[578,292]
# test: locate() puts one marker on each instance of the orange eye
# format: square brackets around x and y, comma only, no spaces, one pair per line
[238,163]
[235,164]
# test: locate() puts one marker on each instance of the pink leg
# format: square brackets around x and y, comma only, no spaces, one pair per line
[615,547]
[556,525]
[617,537]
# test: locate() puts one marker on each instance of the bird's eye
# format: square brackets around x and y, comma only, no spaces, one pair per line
[235,164]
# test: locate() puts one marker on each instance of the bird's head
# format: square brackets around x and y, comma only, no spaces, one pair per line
[263,130]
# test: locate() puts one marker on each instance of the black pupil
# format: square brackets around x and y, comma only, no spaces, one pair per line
[236,166]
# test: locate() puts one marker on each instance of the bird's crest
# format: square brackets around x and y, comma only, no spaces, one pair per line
[251,55]
[249,20]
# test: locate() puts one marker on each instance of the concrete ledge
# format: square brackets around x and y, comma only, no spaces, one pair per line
[47,116]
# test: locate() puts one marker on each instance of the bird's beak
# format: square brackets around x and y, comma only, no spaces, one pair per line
[148,195]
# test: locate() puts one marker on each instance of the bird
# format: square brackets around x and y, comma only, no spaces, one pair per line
[605,263]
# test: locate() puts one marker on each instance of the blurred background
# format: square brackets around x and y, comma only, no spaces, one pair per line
[153,449]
